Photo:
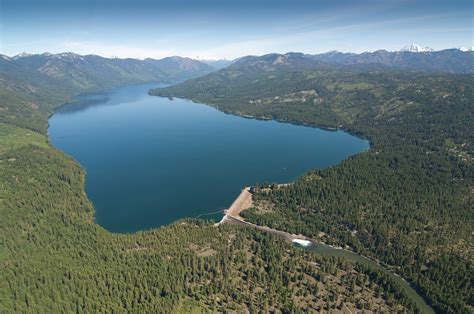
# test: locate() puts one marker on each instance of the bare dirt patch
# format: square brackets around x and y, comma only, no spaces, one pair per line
[243,202]
[206,252]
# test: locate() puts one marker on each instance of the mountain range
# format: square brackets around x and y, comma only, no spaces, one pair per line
[412,57]
[249,72]
[92,70]
[447,61]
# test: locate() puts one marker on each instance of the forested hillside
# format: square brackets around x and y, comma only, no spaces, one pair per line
[408,201]
[33,84]
[54,258]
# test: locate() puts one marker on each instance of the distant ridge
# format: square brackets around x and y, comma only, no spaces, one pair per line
[443,61]
[84,71]
[412,57]
[421,60]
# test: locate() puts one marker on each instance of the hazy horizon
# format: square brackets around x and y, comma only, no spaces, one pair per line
[213,59]
[210,30]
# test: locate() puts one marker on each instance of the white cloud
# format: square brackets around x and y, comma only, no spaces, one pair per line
[308,36]
[120,51]
[277,43]
[317,40]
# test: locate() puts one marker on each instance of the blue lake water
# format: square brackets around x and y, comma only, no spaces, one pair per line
[151,160]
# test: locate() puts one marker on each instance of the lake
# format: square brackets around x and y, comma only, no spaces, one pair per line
[151,160]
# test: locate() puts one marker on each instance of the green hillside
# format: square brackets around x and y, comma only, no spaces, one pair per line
[54,258]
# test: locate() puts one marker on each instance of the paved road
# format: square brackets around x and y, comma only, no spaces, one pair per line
[240,221]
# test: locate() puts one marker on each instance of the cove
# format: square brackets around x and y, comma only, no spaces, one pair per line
[151,160]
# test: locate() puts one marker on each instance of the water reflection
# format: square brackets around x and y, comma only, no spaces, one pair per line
[82,103]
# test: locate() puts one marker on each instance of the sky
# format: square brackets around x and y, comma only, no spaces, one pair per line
[227,29]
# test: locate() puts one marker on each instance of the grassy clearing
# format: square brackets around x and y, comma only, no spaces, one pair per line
[12,137]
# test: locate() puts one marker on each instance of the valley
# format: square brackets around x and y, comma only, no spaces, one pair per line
[405,202]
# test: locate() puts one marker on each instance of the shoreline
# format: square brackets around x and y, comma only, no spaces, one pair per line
[252,117]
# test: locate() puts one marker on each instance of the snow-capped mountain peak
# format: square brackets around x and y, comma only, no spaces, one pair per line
[464,49]
[22,55]
[416,48]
